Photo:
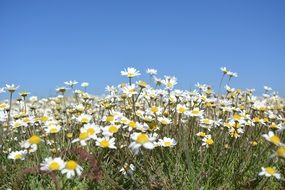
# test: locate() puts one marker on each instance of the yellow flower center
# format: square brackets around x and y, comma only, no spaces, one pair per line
[195,112]
[154,109]
[2,106]
[104,143]
[273,126]
[90,131]
[281,151]
[53,130]
[18,156]
[131,90]
[164,122]
[142,138]
[83,135]
[169,85]
[69,135]
[17,124]
[125,121]
[270,170]
[71,165]
[84,120]
[256,120]
[206,121]
[44,118]
[54,166]
[167,143]
[274,139]
[27,120]
[34,139]
[132,124]
[110,118]
[266,120]
[113,129]
[201,134]
[228,125]
[210,141]
[181,109]
[237,117]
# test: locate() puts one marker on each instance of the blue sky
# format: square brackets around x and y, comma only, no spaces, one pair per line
[44,43]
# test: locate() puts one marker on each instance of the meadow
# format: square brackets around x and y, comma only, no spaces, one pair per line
[143,135]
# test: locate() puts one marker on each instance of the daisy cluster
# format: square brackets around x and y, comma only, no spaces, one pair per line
[138,118]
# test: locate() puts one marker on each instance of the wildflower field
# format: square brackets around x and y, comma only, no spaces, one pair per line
[143,135]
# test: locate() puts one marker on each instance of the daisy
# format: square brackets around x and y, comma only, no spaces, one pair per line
[141,139]
[123,120]
[110,130]
[280,152]
[71,168]
[17,155]
[83,138]
[169,82]
[106,142]
[167,142]
[52,164]
[142,84]
[201,134]
[207,140]
[154,110]
[91,129]
[224,70]
[232,74]
[130,72]
[19,123]
[24,94]
[131,125]
[164,120]
[84,118]
[52,129]
[151,71]
[84,84]
[181,108]
[109,118]
[71,83]
[32,142]
[130,90]
[269,171]
[267,88]
[235,132]
[11,88]
[61,89]
[196,112]
[206,123]
[272,138]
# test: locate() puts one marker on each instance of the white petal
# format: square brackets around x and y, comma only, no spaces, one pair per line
[148,145]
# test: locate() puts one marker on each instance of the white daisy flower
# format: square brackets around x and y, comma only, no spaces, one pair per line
[130,72]
[167,142]
[52,164]
[271,137]
[141,139]
[71,168]
[17,155]
[110,130]
[106,142]
[269,171]
[83,138]
[91,129]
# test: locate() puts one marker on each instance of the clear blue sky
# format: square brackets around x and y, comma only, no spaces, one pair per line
[44,43]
